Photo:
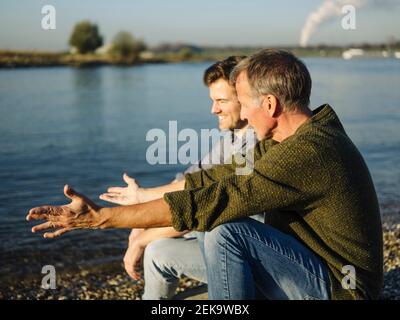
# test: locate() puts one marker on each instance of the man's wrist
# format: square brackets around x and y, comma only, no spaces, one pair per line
[104,218]
[139,242]
[135,233]
[145,195]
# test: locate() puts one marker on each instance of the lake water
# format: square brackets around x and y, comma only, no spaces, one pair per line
[85,127]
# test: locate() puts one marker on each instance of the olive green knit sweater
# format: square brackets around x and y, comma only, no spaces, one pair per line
[313,185]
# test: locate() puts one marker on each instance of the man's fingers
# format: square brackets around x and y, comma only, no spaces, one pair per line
[115,190]
[111,197]
[136,276]
[36,216]
[39,213]
[133,274]
[129,270]
[43,209]
[57,233]
[71,193]
[44,226]
[128,179]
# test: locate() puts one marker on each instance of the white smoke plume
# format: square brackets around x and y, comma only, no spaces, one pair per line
[328,9]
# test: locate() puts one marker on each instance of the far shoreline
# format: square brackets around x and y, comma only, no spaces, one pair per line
[10,59]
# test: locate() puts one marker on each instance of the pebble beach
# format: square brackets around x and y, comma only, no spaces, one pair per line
[111,281]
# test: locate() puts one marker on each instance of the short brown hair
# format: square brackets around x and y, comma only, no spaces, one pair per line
[221,69]
[279,73]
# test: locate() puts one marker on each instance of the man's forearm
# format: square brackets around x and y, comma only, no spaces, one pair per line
[149,194]
[151,214]
[152,234]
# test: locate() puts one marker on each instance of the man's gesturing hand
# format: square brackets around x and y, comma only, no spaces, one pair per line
[132,260]
[81,213]
[131,194]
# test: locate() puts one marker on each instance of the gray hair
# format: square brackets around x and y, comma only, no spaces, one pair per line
[279,73]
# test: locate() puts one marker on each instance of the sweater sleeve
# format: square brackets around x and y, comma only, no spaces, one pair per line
[282,179]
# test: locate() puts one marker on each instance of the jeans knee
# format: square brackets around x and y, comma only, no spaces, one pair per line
[228,235]
[155,252]
[217,237]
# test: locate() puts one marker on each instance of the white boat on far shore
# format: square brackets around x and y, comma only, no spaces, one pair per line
[352,53]
[360,53]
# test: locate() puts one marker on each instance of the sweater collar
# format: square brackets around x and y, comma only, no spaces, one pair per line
[324,115]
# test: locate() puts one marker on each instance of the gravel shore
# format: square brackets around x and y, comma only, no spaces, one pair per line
[112,282]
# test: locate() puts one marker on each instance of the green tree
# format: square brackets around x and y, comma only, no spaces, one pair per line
[85,37]
[185,53]
[126,46]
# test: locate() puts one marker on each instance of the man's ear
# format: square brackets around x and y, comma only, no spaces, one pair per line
[271,105]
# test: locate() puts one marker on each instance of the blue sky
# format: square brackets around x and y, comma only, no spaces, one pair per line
[205,22]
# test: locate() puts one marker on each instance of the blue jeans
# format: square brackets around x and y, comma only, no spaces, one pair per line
[166,260]
[246,257]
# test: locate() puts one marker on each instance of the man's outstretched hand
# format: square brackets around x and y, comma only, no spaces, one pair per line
[131,194]
[81,213]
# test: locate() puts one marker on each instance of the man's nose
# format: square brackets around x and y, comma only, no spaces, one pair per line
[242,115]
[215,109]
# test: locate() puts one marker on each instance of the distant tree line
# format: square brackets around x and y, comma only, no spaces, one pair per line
[86,38]
[124,47]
